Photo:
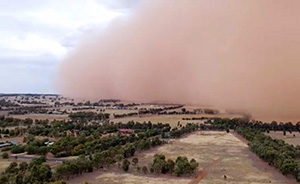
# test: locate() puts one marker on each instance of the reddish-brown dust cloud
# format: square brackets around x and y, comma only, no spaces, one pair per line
[227,53]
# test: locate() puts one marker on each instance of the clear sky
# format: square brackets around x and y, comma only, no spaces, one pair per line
[36,35]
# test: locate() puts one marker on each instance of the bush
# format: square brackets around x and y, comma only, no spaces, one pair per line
[125,165]
[5,155]
[17,149]
[145,169]
[7,148]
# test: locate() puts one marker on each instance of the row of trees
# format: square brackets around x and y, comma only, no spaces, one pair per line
[276,152]
[178,132]
[143,111]
[88,116]
[104,159]
[10,121]
[226,123]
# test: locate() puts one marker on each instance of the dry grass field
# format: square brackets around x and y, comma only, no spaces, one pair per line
[4,163]
[288,138]
[50,117]
[235,161]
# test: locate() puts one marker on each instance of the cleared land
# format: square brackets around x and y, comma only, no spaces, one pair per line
[288,138]
[218,154]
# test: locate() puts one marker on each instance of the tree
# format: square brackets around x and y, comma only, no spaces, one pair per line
[158,165]
[12,168]
[119,158]
[109,161]
[135,161]
[125,165]
[194,165]
[5,155]
[4,179]
[45,173]
[145,169]
[170,165]
[98,160]
[17,149]
[31,149]
[289,166]
[23,166]
[43,150]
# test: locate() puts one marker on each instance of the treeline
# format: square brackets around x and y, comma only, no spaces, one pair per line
[125,115]
[276,152]
[73,146]
[166,111]
[144,126]
[88,116]
[158,110]
[30,109]
[6,103]
[153,111]
[39,172]
[178,132]
[60,128]
[10,121]
[226,123]
[12,132]
[103,159]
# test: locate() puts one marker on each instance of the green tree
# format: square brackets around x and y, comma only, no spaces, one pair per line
[5,155]
[135,161]
[119,158]
[170,165]
[145,169]
[125,165]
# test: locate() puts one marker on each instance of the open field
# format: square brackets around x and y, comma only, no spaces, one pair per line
[218,154]
[49,117]
[289,138]
[171,119]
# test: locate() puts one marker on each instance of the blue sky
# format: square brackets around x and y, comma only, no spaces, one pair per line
[36,35]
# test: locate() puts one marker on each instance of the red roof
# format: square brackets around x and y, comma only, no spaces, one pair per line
[124,130]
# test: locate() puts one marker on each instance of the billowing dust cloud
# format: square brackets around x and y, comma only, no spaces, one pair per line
[227,53]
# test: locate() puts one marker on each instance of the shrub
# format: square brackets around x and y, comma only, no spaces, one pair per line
[5,155]
[17,149]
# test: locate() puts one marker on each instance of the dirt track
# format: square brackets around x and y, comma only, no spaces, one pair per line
[204,172]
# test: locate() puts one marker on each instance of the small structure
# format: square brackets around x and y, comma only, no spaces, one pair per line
[49,143]
[6,144]
[126,131]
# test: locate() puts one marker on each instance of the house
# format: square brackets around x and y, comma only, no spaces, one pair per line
[126,131]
